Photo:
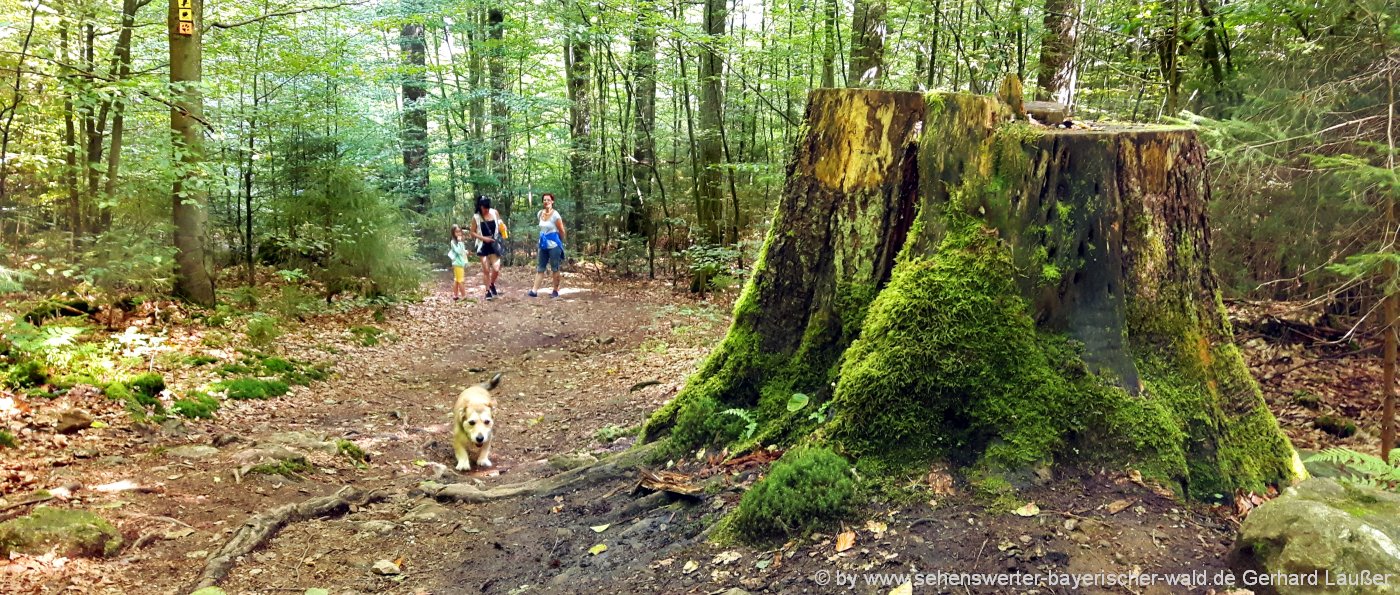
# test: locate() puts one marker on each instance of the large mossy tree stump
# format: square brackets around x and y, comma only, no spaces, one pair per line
[1051,299]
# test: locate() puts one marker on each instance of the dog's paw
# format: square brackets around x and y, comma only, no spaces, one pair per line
[484,462]
[464,466]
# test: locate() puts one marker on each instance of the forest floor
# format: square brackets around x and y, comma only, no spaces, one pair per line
[580,374]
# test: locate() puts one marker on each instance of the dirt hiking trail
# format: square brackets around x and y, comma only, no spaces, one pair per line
[581,372]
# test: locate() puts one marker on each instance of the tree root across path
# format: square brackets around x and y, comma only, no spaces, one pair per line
[262,527]
[608,469]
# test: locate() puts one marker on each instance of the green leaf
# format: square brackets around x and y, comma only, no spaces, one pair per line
[796,402]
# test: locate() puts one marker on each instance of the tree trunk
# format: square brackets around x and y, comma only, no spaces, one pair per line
[476,106]
[829,8]
[121,56]
[637,219]
[709,205]
[1052,299]
[189,197]
[867,44]
[500,110]
[413,49]
[577,61]
[1055,80]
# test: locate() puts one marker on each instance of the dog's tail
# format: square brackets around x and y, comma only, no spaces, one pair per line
[491,384]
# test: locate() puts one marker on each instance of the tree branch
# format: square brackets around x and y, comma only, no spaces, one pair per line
[218,25]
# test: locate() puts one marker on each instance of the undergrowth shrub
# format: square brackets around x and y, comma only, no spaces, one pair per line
[196,405]
[240,389]
[805,489]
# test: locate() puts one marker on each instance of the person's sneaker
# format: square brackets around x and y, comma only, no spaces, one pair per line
[494,291]
[554,294]
[532,293]
[489,295]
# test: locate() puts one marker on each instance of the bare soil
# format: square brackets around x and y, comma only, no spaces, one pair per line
[577,371]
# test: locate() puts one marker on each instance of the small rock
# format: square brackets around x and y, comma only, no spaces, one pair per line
[1025,540]
[222,440]
[307,441]
[1071,524]
[73,421]
[736,591]
[427,512]
[385,568]
[754,583]
[113,461]
[572,460]
[194,555]
[173,426]
[378,527]
[62,531]
[193,451]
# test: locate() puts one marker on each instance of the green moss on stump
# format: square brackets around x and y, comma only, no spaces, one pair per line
[70,532]
[804,490]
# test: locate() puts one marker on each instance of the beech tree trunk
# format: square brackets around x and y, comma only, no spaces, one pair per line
[190,198]
[1051,300]
[414,54]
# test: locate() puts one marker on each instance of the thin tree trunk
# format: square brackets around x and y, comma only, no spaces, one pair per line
[70,140]
[1392,298]
[1056,76]
[638,220]
[122,57]
[190,199]
[829,8]
[867,44]
[709,208]
[577,61]
[413,49]
[500,109]
[10,110]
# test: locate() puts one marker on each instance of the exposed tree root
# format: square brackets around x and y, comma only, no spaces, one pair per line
[607,469]
[262,527]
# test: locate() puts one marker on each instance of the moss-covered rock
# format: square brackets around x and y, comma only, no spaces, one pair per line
[26,374]
[68,532]
[802,491]
[1321,530]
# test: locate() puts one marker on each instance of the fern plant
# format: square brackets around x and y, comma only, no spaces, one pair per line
[1363,469]
[751,424]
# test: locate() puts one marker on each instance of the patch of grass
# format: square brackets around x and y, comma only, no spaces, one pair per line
[286,468]
[196,405]
[368,336]
[241,389]
[262,330]
[1336,426]
[1306,399]
[233,370]
[277,365]
[611,432]
[7,440]
[351,451]
[149,384]
[39,393]
[200,359]
[72,380]
[117,391]
[26,374]
[805,489]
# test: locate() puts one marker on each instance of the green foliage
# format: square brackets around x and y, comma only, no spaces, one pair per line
[368,336]
[712,263]
[611,432]
[1363,469]
[200,359]
[1306,399]
[117,391]
[196,405]
[240,389]
[804,490]
[26,374]
[1336,426]
[149,384]
[797,402]
[262,330]
[750,423]
[7,440]
[351,451]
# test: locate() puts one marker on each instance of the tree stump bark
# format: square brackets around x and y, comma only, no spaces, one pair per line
[1051,300]
[846,207]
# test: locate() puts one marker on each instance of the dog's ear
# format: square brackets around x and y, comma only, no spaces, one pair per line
[491,384]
